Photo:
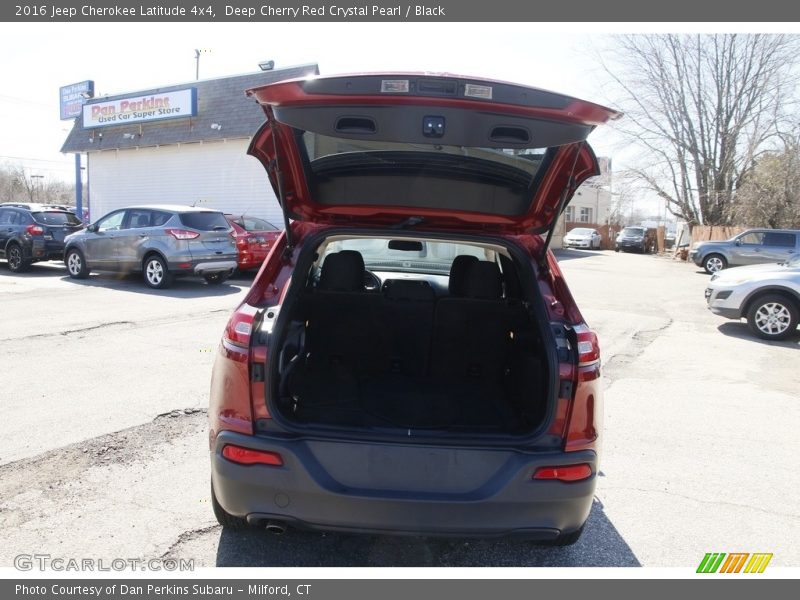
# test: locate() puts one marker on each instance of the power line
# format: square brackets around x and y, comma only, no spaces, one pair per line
[25,101]
[55,162]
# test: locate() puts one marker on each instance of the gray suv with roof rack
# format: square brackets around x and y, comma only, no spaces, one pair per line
[160,241]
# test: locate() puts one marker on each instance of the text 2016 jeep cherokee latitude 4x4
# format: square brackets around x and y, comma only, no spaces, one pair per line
[409,358]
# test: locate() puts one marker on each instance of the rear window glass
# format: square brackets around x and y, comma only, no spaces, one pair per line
[430,257]
[56,218]
[254,224]
[205,221]
[784,240]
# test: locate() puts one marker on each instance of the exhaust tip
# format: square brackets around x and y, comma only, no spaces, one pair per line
[275,527]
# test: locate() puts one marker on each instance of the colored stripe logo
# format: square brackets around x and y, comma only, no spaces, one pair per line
[734,562]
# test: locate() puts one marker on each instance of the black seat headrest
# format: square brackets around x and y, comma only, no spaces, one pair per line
[459,272]
[342,272]
[484,281]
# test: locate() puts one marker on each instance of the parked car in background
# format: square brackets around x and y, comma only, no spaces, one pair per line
[254,239]
[768,296]
[583,237]
[32,232]
[160,241]
[409,359]
[754,246]
[640,239]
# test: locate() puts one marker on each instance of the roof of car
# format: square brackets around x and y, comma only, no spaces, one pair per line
[183,208]
[34,206]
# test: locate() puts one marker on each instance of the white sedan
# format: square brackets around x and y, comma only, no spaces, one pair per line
[768,296]
[583,237]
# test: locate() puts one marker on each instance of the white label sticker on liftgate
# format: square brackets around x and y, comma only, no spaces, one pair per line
[394,86]
[478,91]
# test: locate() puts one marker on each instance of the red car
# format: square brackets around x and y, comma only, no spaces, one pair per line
[254,239]
[409,360]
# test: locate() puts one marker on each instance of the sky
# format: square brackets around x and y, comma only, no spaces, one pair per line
[38,58]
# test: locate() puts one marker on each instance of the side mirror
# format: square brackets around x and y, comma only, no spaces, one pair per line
[92,228]
[738,243]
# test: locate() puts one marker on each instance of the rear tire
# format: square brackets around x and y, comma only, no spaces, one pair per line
[216,278]
[772,317]
[155,272]
[713,263]
[224,518]
[16,261]
[76,264]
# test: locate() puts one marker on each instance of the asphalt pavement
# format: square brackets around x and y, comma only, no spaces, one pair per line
[105,383]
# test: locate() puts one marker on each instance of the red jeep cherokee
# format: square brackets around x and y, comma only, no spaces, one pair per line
[409,359]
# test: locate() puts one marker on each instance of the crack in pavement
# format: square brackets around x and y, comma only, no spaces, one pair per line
[68,331]
[150,322]
[188,536]
[640,340]
[122,446]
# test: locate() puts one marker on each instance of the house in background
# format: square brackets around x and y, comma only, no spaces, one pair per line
[590,206]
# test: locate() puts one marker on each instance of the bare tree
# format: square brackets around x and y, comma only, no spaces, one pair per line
[769,195]
[626,191]
[17,184]
[702,107]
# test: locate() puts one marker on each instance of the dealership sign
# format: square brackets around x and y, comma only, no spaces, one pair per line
[137,109]
[72,97]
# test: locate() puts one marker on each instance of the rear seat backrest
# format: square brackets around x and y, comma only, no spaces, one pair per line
[471,334]
[344,329]
[408,306]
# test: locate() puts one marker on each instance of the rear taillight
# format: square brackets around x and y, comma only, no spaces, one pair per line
[239,328]
[247,456]
[581,431]
[567,473]
[588,346]
[182,234]
[34,230]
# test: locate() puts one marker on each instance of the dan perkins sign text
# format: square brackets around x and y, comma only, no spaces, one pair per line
[152,107]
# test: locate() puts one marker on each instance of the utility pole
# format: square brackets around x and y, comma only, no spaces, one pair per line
[197,53]
[34,185]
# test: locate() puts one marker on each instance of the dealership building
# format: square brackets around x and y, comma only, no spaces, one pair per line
[179,144]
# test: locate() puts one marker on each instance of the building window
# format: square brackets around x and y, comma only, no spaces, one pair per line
[586,215]
[569,214]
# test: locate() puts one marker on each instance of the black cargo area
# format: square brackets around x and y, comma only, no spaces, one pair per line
[410,357]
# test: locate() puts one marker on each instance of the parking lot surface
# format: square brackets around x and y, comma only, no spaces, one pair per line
[105,383]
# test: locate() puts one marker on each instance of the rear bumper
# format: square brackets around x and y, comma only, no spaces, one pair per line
[41,249]
[216,266]
[626,245]
[382,496]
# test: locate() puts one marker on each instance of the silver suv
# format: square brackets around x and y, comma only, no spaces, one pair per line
[754,246]
[160,241]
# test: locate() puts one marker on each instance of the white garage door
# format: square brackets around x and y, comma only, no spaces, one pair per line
[218,175]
